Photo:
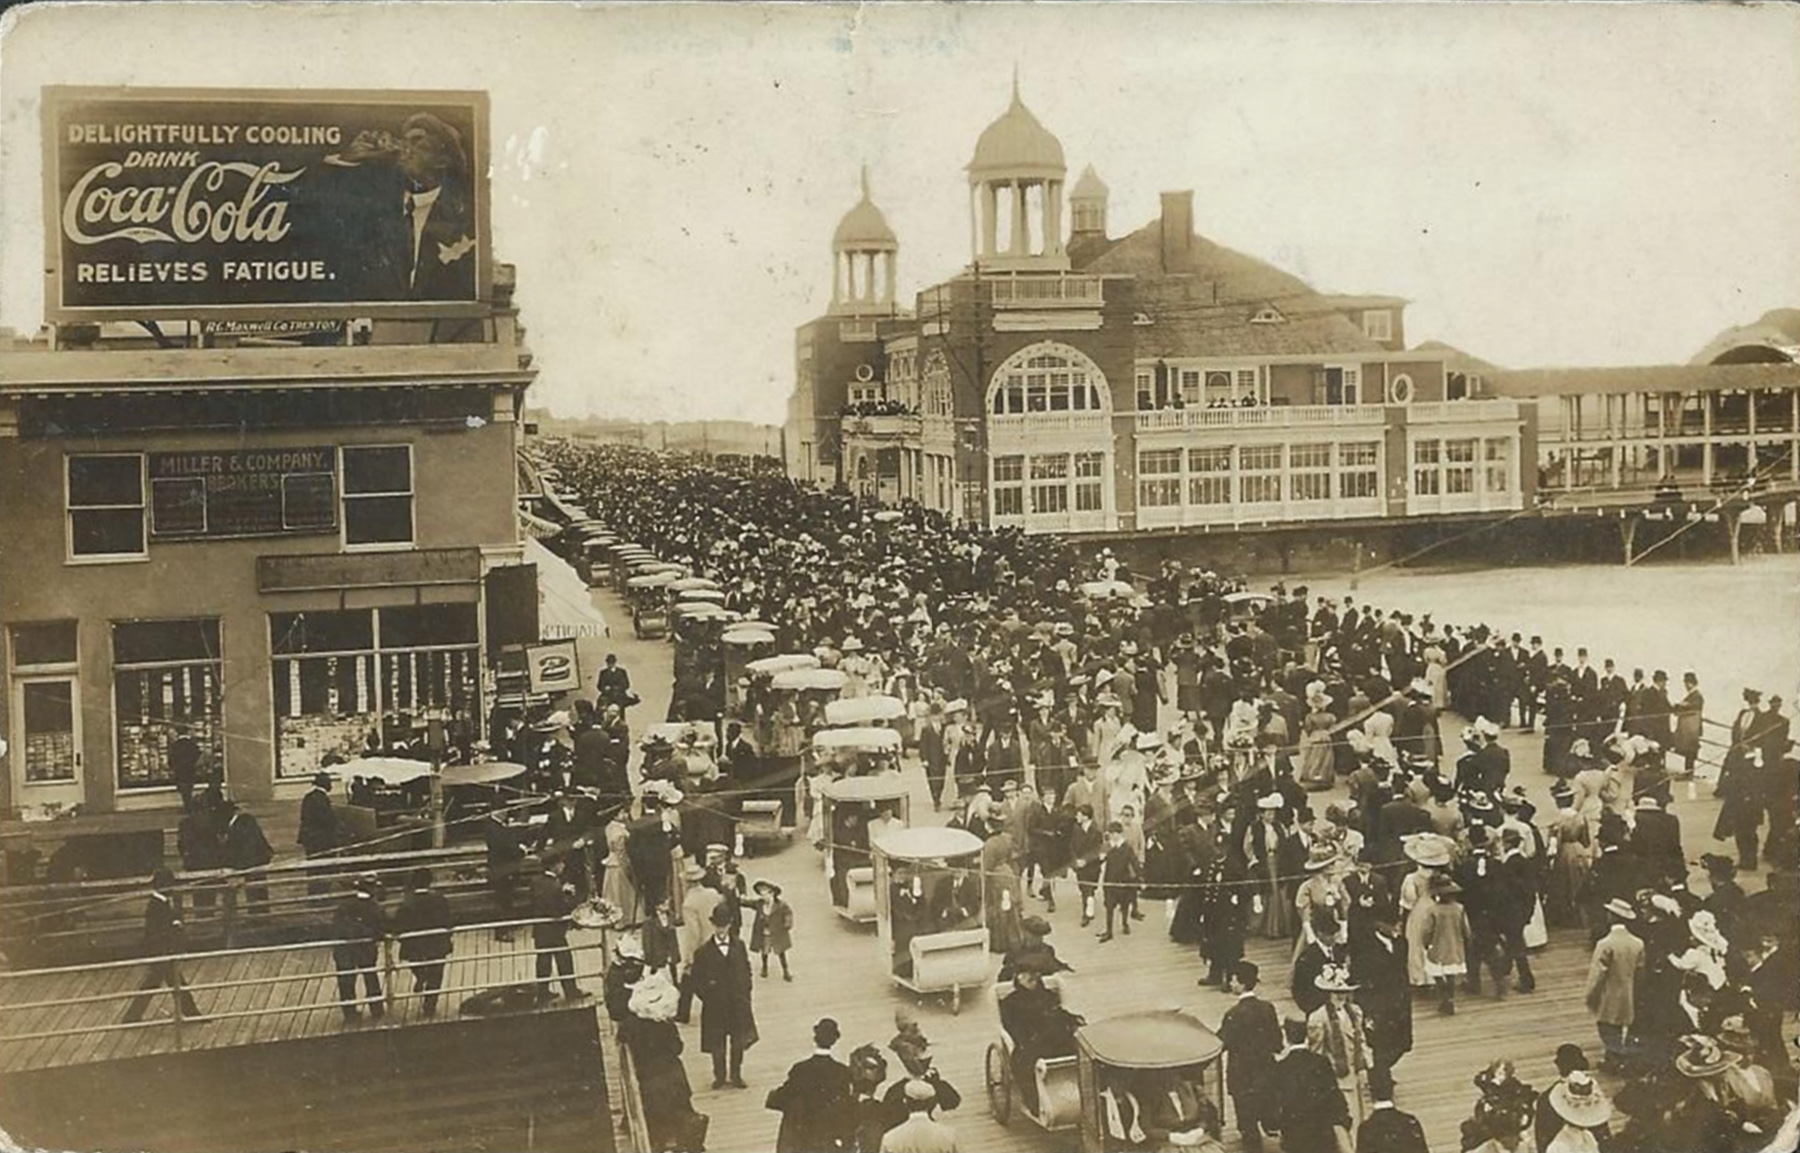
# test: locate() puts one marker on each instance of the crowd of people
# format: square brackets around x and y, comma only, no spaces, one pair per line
[1037,688]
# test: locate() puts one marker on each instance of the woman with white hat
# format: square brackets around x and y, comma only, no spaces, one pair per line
[1337,1031]
[1584,1112]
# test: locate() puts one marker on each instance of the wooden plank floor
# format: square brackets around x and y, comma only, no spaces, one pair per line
[305,1005]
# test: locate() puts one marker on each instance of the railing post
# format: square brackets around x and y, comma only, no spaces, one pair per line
[175,990]
[390,971]
[228,904]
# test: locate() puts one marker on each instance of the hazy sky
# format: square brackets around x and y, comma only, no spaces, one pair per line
[1558,184]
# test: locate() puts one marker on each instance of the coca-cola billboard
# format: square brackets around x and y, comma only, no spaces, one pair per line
[172,204]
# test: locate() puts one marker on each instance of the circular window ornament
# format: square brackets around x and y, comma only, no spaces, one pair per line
[1400,389]
[864,373]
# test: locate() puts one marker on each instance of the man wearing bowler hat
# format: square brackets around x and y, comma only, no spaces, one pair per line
[720,977]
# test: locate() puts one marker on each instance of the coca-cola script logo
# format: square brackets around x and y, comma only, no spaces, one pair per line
[218,201]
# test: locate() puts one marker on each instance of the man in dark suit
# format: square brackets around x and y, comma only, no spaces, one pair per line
[1534,678]
[1656,842]
[1087,846]
[359,923]
[422,922]
[719,975]
[163,938]
[1251,1035]
[566,837]
[1306,1104]
[319,831]
[552,900]
[815,1100]
[1119,875]
[1515,898]
[1378,968]
[403,210]
[1387,1129]
[247,852]
[613,684]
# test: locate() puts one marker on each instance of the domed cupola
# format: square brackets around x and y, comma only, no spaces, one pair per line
[865,255]
[1016,189]
[1087,203]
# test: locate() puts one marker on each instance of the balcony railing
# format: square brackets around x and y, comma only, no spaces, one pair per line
[1029,424]
[1278,416]
[885,426]
[1460,411]
[1047,292]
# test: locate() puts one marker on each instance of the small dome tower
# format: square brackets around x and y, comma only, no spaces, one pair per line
[1017,173]
[865,257]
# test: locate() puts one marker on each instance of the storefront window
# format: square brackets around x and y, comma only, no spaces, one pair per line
[1089,478]
[1358,475]
[1159,477]
[1426,481]
[1310,465]
[167,684]
[1209,481]
[1050,483]
[1499,464]
[1459,466]
[1259,468]
[340,678]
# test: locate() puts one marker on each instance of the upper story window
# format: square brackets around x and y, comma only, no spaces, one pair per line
[378,495]
[105,506]
[934,384]
[1378,324]
[1046,378]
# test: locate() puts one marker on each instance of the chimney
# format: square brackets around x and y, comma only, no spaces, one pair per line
[1177,229]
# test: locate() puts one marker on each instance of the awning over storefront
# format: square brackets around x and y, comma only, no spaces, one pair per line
[567,609]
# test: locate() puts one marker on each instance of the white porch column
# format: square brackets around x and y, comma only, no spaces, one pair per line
[990,218]
[1021,234]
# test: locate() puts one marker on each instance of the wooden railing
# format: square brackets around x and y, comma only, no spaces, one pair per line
[1263,416]
[88,919]
[389,966]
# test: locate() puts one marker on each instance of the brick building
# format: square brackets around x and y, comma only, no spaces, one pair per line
[273,549]
[1070,380]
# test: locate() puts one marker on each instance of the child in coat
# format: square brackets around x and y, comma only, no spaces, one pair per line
[774,931]
[1446,935]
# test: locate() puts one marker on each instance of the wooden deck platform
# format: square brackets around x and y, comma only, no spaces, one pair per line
[245,1008]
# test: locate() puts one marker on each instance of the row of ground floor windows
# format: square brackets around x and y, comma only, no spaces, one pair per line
[339,682]
[1258,474]
[1047,483]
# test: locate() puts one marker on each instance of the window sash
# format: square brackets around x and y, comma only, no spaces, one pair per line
[105,525]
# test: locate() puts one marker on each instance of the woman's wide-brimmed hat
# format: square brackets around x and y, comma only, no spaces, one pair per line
[1428,849]
[1320,856]
[1701,1056]
[764,885]
[1578,1101]
[1335,979]
[1444,885]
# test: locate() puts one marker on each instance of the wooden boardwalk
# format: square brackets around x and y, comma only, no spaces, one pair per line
[838,973]
[245,1006]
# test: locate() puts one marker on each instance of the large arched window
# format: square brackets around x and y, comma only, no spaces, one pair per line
[934,385]
[1047,377]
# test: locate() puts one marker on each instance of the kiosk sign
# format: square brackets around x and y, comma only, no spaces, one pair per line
[204,204]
